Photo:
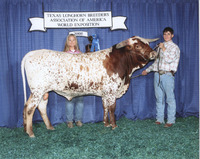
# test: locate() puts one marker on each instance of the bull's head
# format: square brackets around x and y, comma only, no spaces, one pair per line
[140,46]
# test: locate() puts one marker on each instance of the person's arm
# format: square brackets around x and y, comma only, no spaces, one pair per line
[153,67]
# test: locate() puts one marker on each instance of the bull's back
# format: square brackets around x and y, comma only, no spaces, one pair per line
[53,68]
[41,66]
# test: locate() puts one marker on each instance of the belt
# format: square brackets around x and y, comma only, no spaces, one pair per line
[164,72]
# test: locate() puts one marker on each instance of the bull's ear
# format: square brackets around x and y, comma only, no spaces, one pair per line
[122,44]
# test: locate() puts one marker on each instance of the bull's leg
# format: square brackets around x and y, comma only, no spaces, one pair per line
[109,104]
[29,117]
[43,112]
[29,110]
[112,115]
[25,113]
[24,117]
[105,116]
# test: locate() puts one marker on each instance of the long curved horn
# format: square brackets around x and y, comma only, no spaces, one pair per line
[122,44]
[147,41]
[152,40]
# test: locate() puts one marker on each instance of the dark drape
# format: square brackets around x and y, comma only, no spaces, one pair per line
[145,18]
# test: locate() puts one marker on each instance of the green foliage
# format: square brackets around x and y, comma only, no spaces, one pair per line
[132,139]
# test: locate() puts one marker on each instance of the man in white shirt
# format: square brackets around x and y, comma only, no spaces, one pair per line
[165,66]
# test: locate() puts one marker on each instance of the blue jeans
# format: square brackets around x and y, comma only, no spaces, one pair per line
[76,103]
[165,89]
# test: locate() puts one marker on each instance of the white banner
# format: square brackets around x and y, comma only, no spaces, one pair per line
[79,33]
[77,20]
[37,24]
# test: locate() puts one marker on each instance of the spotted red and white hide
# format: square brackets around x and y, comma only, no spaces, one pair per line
[105,73]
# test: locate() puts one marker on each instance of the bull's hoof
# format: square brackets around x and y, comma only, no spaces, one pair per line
[113,127]
[107,125]
[31,135]
[51,128]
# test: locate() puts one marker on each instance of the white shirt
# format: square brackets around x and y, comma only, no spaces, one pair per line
[169,58]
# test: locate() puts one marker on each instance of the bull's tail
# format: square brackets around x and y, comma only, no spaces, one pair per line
[23,78]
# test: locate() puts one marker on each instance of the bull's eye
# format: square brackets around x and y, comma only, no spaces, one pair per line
[137,47]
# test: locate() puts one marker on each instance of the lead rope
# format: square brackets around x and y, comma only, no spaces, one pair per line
[158,64]
[136,76]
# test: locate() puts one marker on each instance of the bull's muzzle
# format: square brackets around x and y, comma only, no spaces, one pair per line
[153,55]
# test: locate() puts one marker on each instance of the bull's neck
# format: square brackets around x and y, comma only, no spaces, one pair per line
[123,63]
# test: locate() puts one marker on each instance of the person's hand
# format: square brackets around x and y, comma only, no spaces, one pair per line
[144,72]
[161,45]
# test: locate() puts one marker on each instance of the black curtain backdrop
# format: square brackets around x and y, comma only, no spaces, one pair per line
[145,18]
